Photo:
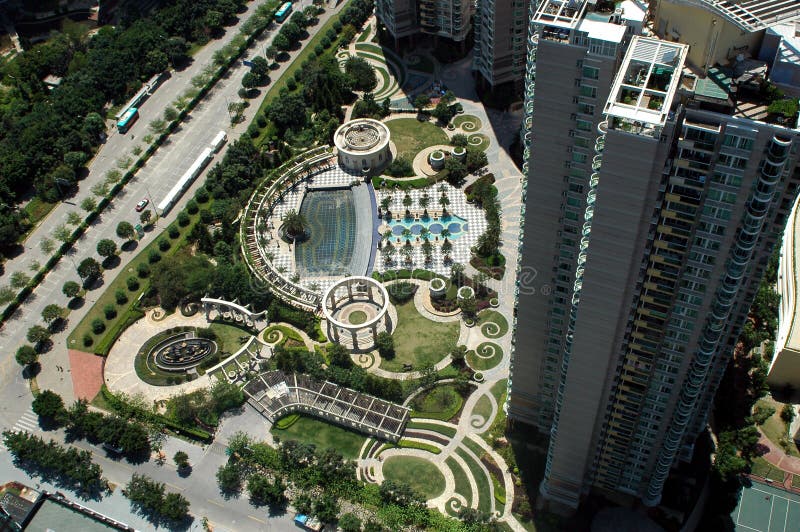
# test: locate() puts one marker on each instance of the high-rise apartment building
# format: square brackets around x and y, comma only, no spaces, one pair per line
[450,19]
[500,40]
[657,185]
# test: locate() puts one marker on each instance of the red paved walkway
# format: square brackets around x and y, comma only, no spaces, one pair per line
[87,373]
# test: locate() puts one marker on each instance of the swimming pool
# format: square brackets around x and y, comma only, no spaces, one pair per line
[456,225]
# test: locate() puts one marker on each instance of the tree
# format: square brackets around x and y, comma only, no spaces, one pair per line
[476,159]
[288,112]
[339,356]
[443,112]
[260,69]
[50,406]
[89,269]
[88,204]
[456,171]
[349,522]
[20,279]
[281,42]
[327,508]
[262,491]
[294,224]
[181,460]
[51,313]
[26,355]
[176,49]
[361,73]
[421,102]
[250,81]
[37,334]
[145,217]
[174,507]
[214,20]
[229,478]
[460,140]
[271,52]
[788,413]
[71,289]
[385,344]
[47,246]
[468,306]
[125,230]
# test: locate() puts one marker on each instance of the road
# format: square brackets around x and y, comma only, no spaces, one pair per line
[154,180]
[225,515]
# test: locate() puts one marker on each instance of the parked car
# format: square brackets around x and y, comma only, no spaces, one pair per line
[141,205]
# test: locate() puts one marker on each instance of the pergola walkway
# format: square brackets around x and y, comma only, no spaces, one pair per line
[276,394]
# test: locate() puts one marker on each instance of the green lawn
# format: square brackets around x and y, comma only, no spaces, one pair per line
[762,468]
[364,34]
[483,482]
[126,313]
[418,340]
[322,434]
[487,349]
[483,407]
[498,390]
[411,136]
[228,336]
[482,145]
[442,403]
[441,429]
[290,336]
[357,317]
[36,209]
[500,327]
[423,477]
[460,119]
[460,479]
[774,428]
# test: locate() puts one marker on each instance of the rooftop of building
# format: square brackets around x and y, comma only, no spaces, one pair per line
[52,515]
[647,81]
[752,15]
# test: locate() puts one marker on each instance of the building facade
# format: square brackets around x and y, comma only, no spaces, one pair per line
[655,193]
[450,19]
[500,41]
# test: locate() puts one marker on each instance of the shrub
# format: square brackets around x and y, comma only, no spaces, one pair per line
[98,326]
[385,344]
[121,297]
[291,84]
[401,292]
[143,270]
[87,339]
[201,195]
[132,283]
[154,256]
[173,232]
[110,311]
[400,167]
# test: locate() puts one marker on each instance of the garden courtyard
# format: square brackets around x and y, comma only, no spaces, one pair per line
[449,349]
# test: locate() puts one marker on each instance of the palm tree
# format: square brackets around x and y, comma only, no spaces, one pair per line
[446,246]
[385,202]
[406,233]
[294,224]
[424,201]
[425,234]
[386,235]
[445,233]
[444,201]
[407,200]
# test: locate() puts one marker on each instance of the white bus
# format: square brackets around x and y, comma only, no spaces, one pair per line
[219,141]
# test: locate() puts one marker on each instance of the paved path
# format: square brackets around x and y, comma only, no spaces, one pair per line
[777,457]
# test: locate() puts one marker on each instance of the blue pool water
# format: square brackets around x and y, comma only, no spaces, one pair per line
[455,224]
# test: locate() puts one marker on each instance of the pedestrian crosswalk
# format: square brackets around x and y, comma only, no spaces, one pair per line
[28,422]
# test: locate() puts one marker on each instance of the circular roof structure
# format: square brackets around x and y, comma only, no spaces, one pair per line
[362,136]
[330,295]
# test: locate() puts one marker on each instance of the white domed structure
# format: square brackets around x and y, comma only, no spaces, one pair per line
[363,145]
